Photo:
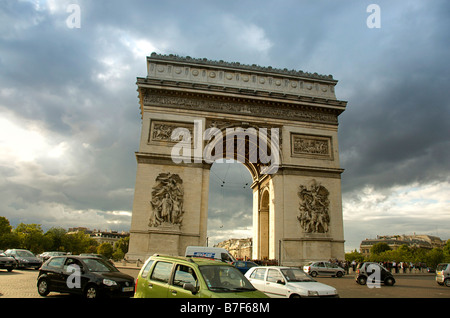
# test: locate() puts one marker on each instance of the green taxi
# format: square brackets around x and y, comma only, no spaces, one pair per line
[186,277]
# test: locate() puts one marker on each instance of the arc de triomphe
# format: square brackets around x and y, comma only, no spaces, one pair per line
[281,124]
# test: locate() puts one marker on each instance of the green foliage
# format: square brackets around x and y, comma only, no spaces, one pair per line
[105,249]
[354,256]
[379,248]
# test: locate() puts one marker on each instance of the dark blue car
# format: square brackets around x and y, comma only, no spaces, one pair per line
[244,266]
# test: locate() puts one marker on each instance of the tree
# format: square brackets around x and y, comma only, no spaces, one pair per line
[8,238]
[56,236]
[105,249]
[31,237]
[354,256]
[123,244]
[379,248]
[78,242]
[434,257]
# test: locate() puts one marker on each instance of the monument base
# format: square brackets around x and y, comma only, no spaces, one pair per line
[167,240]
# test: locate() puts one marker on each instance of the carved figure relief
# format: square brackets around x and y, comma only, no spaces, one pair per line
[314,208]
[311,146]
[167,201]
[162,131]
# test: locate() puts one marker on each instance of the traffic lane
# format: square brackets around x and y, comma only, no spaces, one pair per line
[407,286]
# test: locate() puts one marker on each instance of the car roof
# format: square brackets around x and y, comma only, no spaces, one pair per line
[196,260]
[277,267]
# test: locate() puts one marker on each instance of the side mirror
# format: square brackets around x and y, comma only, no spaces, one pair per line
[190,287]
[280,282]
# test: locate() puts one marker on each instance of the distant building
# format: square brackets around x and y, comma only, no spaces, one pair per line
[395,241]
[108,236]
[100,236]
[239,248]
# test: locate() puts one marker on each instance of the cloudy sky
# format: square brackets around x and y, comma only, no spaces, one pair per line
[70,121]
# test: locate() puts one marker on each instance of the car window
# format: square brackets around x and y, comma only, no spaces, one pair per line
[274,276]
[184,274]
[56,262]
[239,264]
[71,263]
[225,257]
[320,264]
[162,271]
[258,273]
[147,268]
[296,275]
[99,265]
[221,278]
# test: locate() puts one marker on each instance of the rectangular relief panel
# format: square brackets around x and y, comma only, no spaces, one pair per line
[311,146]
[161,131]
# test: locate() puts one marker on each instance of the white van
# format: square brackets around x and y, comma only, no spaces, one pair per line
[216,253]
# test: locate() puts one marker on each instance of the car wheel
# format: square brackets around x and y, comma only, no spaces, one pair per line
[10,269]
[313,274]
[447,282]
[91,292]
[43,288]
[295,296]
[389,281]
[362,280]
[339,274]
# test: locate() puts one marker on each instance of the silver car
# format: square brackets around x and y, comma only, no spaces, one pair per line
[323,268]
[443,274]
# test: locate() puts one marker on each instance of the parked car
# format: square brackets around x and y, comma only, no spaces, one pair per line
[103,257]
[323,268]
[24,258]
[244,266]
[6,262]
[46,255]
[89,276]
[374,273]
[287,282]
[443,274]
[192,277]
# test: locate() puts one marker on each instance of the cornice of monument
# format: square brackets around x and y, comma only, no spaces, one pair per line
[237,65]
[206,74]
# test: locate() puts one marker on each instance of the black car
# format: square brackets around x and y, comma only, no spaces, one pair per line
[89,276]
[374,273]
[6,262]
[24,258]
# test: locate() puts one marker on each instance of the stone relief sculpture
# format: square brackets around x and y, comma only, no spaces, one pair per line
[314,208]
[167,201]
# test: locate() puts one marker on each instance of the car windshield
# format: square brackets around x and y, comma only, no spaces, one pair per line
[296,275]
[99,265]
[225,279]
[441,267]
[24,254]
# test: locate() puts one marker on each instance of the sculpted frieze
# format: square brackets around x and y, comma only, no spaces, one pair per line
[238,107]
[167,201]
[314,207]
[311,146]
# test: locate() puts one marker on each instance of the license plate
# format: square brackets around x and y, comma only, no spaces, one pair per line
[127,289]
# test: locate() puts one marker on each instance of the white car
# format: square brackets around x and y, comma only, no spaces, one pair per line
[287,282]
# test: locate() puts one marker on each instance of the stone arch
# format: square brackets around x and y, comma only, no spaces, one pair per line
[193,95]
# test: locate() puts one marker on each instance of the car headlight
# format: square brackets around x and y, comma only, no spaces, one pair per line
[109,282]
[313,293]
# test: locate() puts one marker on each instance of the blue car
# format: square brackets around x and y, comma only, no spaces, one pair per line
[244,266]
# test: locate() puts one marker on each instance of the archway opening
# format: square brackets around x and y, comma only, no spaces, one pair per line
[230,203]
